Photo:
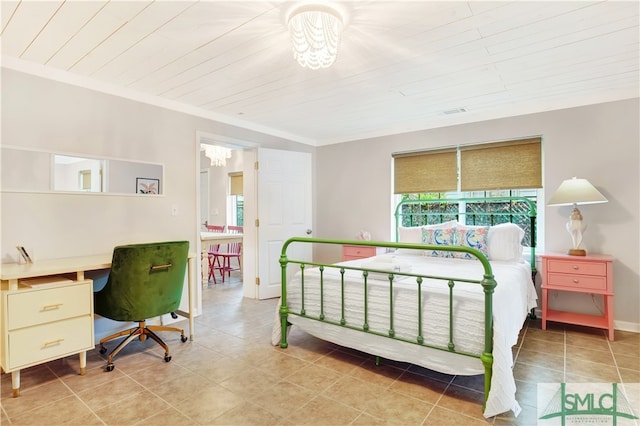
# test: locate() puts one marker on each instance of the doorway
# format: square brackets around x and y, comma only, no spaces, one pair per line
[284,181]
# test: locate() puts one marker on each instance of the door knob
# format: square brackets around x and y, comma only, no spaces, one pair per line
[309,231]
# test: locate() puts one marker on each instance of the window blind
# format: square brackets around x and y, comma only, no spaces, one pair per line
[425,171]
[513,164]
[236,184]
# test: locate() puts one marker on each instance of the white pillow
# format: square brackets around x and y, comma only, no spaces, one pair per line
[411,234]
[505,242]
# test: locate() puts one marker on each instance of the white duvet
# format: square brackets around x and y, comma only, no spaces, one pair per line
[513,298]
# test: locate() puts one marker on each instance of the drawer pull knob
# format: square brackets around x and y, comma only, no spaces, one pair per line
[51,307]
[53,342]
[576,281]
[575,267]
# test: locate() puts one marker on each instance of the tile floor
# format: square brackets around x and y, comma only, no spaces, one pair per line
[231,375]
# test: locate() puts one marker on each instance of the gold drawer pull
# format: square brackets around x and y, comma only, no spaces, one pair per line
[52,307]
[160,267]
[53,342]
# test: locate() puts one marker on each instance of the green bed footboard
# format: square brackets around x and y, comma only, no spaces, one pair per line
[487,282]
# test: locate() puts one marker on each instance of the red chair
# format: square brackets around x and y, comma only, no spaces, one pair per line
[214,261]
[233,252]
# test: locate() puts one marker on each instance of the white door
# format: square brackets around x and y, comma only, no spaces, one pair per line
[284,210]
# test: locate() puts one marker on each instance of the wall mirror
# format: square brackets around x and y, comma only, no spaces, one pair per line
[26,170]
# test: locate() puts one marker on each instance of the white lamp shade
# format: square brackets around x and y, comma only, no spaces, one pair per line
[576,191]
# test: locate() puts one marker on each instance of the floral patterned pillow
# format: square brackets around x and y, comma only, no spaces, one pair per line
[471,236]
[438,237]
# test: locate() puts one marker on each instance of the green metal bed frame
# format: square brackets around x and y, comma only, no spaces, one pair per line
[412,212]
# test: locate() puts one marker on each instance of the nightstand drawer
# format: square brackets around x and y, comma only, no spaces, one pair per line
[357,252]
[578,282]
[31,307]
[577,267]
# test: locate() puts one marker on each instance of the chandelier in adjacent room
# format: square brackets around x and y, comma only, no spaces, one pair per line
[216,154]
[315,35]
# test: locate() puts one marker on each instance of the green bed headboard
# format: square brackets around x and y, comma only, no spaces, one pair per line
[484,211]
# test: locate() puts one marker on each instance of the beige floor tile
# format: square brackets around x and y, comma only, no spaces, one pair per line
[341,362]
[283,398]
[629,361]
[208,403]
[314,377]
[544,346]
[323,411]
[246,414]
[168,417]
[58,412]
[462,400]
[596,371]
[533,374]
[29,378]
[121,387]
[399,409]
[353,392]
[440,416]
[536,358]
[383,375]
[629,376]
[419,386]
[133,409]
[34,398]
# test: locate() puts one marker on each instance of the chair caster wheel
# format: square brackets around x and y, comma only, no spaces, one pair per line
[103,350]
[174,315]
[167,358]
[110,367]
[183,339]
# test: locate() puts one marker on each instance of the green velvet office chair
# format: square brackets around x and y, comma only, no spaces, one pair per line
[145,281]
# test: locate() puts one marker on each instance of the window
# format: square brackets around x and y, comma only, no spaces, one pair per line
[504,169]
[236,199]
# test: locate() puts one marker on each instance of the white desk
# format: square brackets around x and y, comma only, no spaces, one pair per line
[208,238]
[10,273]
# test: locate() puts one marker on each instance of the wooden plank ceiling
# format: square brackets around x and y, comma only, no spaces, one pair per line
[402,65]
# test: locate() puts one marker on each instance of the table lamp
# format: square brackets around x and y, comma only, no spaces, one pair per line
[576,191]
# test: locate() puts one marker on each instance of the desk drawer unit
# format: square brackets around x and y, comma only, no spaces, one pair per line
[41,325]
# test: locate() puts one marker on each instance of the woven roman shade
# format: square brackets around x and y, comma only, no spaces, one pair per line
[425,171]
[513,164]
[236,183]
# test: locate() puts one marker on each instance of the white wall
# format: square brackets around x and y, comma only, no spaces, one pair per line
[599,142]
[43,114]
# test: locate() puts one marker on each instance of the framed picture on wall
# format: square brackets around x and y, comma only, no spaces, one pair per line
[147,186]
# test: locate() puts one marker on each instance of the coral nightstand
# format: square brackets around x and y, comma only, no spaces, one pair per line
[581,274]
[360,252]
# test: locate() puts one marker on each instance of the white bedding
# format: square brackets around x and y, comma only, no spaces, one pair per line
[514,297]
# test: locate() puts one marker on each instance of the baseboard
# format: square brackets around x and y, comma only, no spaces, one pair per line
[617,325]
[626,326]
